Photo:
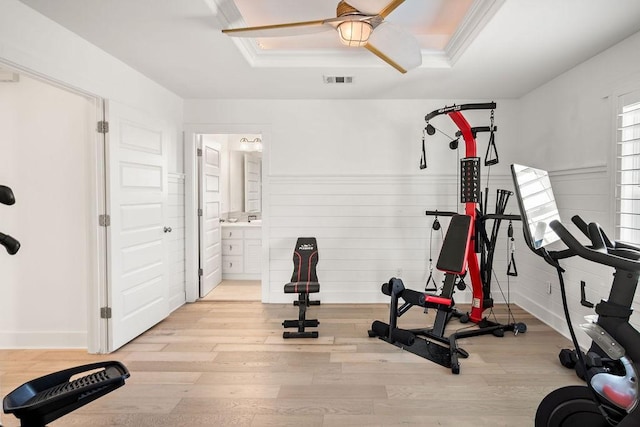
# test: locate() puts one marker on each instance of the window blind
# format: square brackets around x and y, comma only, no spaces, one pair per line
[628,168]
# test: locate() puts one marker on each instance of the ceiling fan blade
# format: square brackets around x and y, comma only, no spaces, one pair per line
[365,6]
[395,46]
[390,8]
[280,30]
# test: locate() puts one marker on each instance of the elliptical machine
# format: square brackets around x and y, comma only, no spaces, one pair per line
[610,396]
[45,399]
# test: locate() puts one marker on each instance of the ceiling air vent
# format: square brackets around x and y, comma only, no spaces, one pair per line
[337,79]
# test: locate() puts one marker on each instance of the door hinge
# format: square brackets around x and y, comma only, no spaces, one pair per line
[104,220]
[103,126]
[199,152]
[200,272]
[199,212]
[105,312]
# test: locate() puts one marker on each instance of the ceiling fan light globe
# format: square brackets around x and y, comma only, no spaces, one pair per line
[354,33]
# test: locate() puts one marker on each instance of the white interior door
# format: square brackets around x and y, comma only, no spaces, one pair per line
[137,205]
[209,216]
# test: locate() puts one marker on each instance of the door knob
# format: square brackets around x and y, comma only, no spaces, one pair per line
[167,229]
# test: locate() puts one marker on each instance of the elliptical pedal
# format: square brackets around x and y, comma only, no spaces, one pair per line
[45,399]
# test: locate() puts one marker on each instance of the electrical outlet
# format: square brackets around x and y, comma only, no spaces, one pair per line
[549,288]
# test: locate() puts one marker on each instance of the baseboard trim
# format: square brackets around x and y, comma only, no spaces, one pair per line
[37,340]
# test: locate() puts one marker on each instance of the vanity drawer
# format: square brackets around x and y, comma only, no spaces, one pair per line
[231,233]
[232,247]
[232,264]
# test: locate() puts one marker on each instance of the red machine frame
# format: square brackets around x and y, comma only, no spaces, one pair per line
[478,304]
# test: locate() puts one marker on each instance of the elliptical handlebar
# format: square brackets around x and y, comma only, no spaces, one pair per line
[6,196]
[598,255]
[11,244]
[584,227]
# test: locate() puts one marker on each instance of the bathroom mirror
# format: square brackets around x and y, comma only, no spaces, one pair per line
[252,182]
[537,205]
[245,174]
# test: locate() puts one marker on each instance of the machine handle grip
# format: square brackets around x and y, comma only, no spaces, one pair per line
[11,244]
[597,241]
[6,195]
[581,224]
[592,255]
[584,227]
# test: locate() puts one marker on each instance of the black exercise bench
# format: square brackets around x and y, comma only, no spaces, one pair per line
[304,281]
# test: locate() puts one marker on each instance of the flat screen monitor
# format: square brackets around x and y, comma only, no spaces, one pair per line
[537,205]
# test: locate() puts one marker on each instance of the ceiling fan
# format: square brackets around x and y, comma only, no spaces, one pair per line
[357,26]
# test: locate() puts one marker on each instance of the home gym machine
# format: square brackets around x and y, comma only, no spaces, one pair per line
[45,399]
[610,396]
[466,237]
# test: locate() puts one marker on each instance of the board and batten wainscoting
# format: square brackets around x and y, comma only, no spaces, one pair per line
[369,229]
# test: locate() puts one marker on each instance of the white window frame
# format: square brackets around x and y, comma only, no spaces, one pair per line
[627,166]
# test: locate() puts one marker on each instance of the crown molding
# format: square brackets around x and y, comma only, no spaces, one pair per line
[479,15]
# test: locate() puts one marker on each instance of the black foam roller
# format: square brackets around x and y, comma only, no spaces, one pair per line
[413,297]
[394,285]
[403,336]
[379,328]
[386,289]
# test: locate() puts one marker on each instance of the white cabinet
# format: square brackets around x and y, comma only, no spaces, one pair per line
[241,252]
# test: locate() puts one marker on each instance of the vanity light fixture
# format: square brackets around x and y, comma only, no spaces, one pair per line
[254,144]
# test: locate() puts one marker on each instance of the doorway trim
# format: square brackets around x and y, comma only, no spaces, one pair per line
[191,130]
[97,287]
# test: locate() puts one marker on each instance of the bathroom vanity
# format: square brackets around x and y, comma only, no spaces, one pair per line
[241,250]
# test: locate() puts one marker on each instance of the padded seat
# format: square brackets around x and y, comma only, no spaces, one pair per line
[306,287]
[304,281]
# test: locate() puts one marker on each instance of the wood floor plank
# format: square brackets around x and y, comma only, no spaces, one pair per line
[256,378]
[287,421]
[328,391]
[280,407]
[225,363]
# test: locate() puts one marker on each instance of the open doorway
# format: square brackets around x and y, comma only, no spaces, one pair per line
[229,190]
[229,211]
[53,161]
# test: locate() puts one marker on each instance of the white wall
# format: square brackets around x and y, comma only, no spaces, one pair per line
[567,126]
[44,140]
[35,43]
[31,42]
[346,172]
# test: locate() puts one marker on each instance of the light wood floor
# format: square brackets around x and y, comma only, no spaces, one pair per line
[226,363]
[235,290]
